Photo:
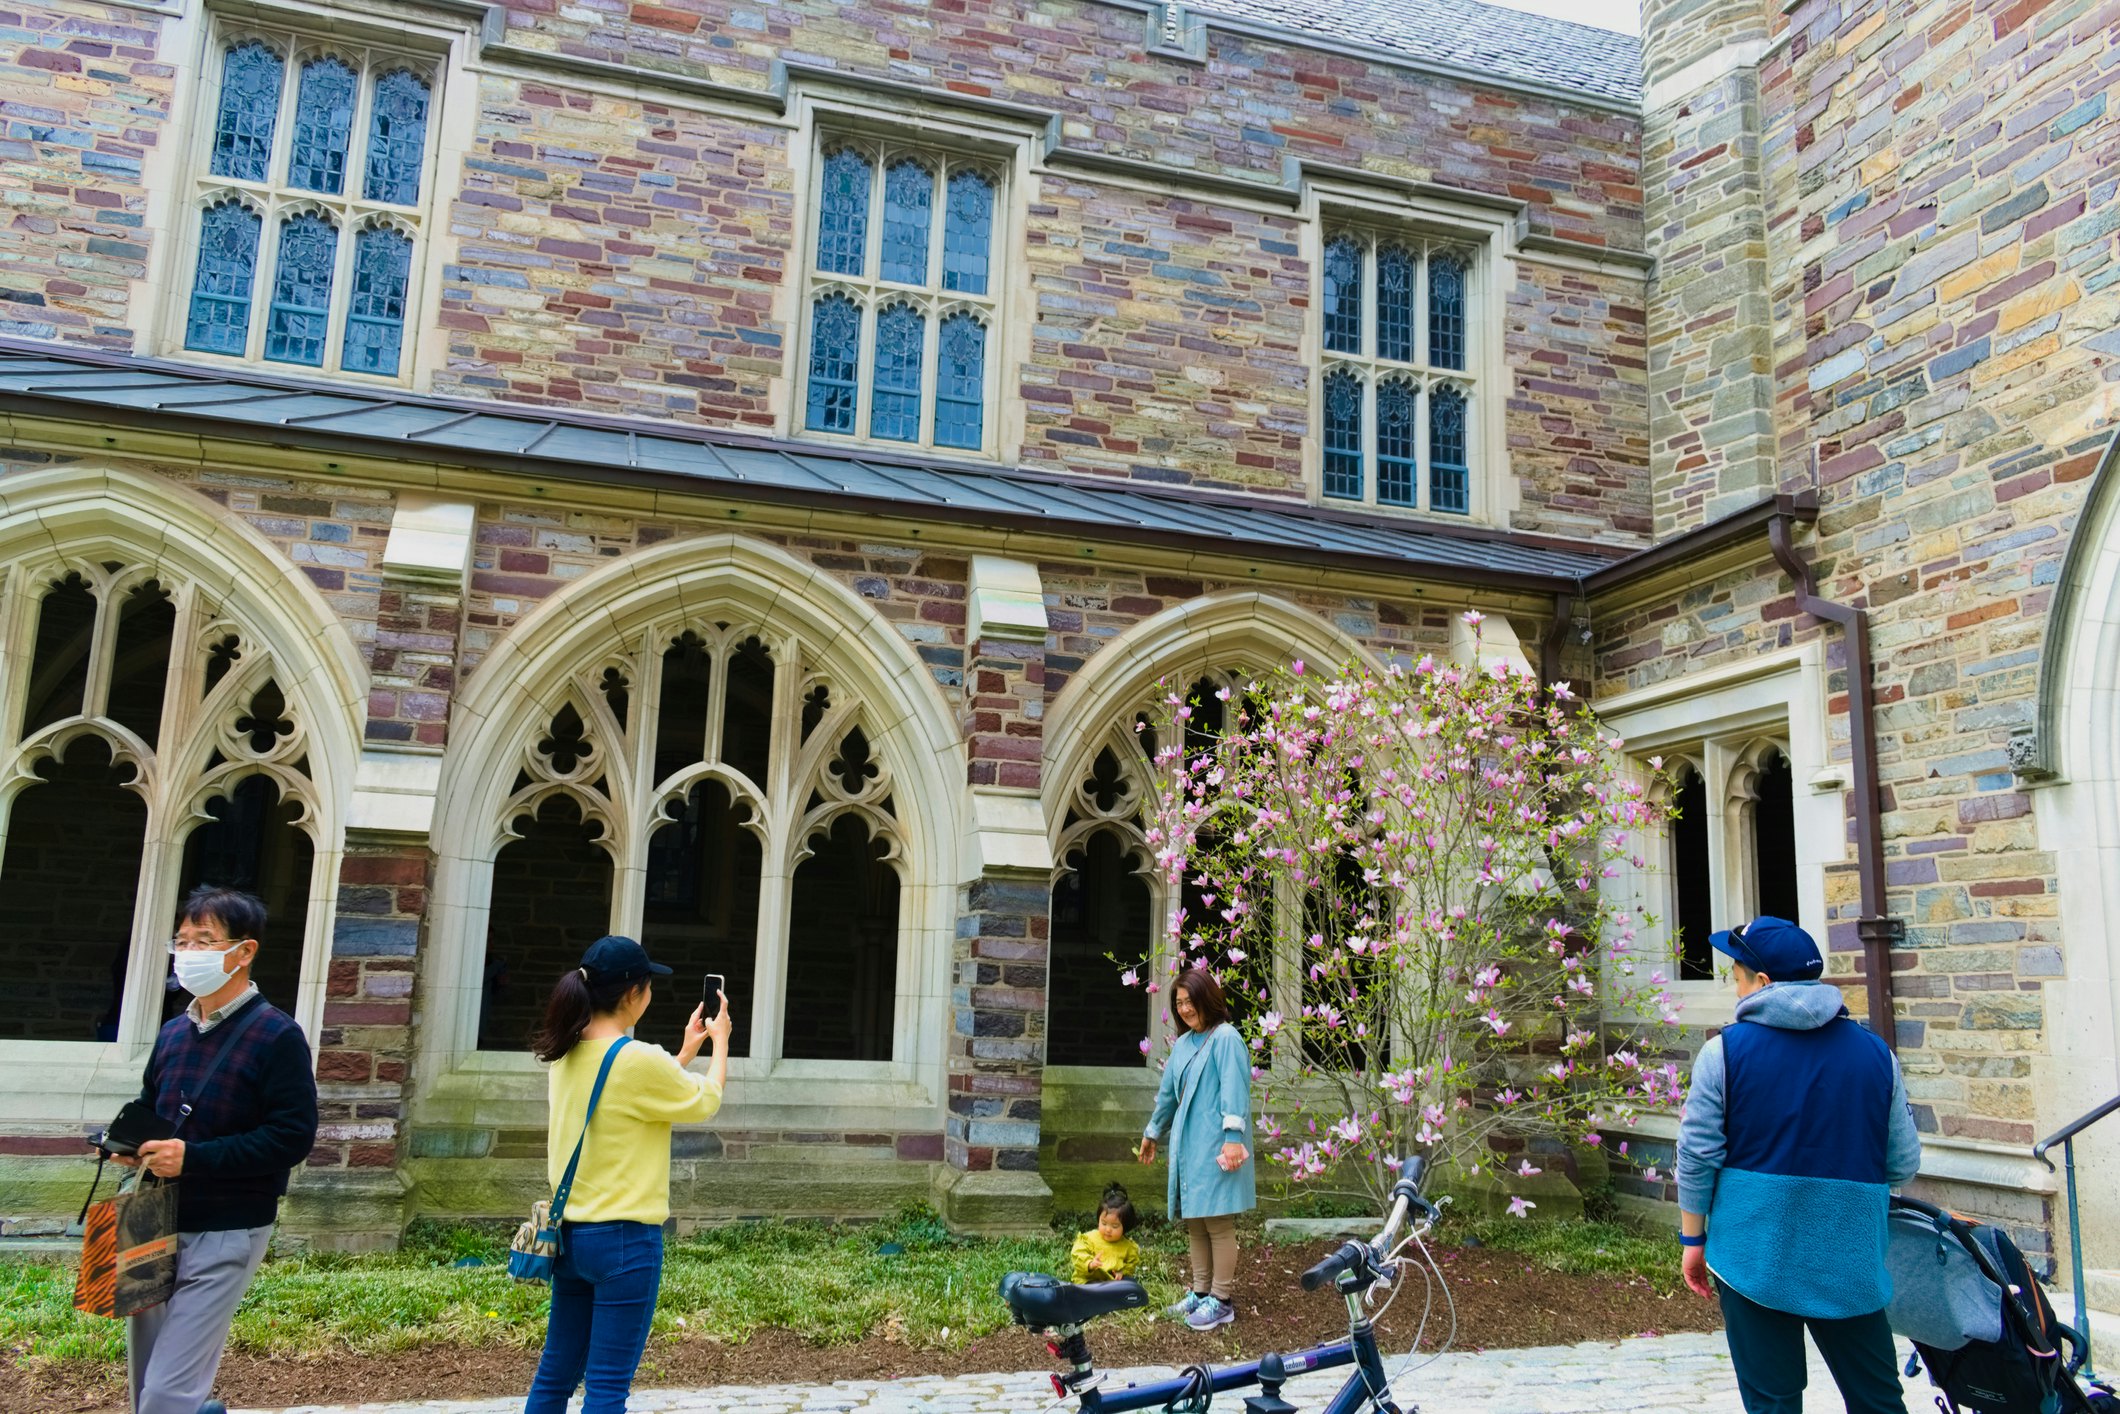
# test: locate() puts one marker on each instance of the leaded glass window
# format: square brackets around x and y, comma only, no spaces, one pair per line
[900,296]
[323,126]
[908,190]
[843,214]
[1397,429]
[1393,322]
[835,363]
[375,321]
[960,397]
[397,138]
[228,267]
[249,110]
[894,411]
[967,241]
[301,291]
[297,259]
[1343,435]
[1447,473]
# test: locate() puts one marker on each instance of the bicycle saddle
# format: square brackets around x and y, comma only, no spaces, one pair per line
[1042,1302]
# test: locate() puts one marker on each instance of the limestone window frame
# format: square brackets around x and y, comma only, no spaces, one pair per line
[1724,721]
[372,48]
[224,579]
[624,616]
[828,119]
[1485,236]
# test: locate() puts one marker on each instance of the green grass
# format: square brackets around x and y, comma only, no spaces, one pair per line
[831,1283]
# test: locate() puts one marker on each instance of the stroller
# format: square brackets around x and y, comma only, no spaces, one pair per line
[1963,1293]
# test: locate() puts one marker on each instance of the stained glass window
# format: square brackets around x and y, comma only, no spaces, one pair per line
[835,364]
[1446,311]
[1395,297]
[908,195]
[1397,433]
[219,321]
[843,214]
[1449,478]
[1343,435]
[1343,296]
[301,290]
[397,138]
[375,316]
[894,403]
[323,125]
[968,234]
[960,392]
[250,108]
[1382,443]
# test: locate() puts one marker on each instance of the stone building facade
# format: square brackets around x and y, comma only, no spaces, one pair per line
[488,475]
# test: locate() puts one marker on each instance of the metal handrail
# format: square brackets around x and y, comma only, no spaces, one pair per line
[2071,1130]
[2066,1138]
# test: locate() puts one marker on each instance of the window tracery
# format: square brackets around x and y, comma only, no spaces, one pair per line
[146,746]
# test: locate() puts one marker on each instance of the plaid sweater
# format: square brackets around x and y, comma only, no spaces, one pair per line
[256,1124]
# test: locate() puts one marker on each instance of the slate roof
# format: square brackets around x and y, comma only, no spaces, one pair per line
[556,445]
[1467,35]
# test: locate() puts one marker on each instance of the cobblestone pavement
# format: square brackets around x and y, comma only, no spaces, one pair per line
[1672,1374]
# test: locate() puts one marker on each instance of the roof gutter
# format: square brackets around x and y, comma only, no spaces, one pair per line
[1874,928]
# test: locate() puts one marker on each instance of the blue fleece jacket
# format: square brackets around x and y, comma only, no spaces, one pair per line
[1796,1128]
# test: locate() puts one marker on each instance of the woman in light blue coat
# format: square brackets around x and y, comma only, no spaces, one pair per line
[1204,1103]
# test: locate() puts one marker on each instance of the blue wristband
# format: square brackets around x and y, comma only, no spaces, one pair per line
[1685,1241]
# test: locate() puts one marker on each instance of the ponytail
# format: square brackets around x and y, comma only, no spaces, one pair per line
[575,1001]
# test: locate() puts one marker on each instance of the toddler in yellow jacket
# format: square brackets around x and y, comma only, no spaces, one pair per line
[1106,1252]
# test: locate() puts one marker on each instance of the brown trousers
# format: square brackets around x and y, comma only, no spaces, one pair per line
[1214,1254]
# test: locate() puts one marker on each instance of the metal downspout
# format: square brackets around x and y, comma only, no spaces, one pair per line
[1876,930]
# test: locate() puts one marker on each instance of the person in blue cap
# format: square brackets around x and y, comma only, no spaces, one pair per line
[1796,1128]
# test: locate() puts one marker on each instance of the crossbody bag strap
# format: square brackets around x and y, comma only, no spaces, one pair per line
[566,1182]
[236,1028]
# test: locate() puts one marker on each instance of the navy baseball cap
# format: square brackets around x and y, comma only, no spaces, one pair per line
[613,958]
[1774,946]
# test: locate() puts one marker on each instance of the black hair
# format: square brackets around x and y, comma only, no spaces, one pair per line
[1116,1201]
[238,914]
[1205,994]
[577,998]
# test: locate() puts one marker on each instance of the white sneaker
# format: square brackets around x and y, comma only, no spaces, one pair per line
[1183,1309]
[1211,1313]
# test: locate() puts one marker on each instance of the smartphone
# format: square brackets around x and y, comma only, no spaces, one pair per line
[710,995]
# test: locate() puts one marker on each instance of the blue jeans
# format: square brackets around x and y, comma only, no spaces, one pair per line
[603,1301]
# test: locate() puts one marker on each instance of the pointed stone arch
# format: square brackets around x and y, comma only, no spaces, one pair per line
[722,588]
[123,528]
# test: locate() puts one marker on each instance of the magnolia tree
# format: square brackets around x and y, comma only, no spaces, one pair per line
[1396,878]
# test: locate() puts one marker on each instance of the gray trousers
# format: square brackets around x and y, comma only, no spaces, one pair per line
[174,1349]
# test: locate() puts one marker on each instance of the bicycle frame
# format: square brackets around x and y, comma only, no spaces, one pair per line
[1268,1372]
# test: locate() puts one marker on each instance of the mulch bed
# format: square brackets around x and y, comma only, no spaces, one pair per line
[1503,1301]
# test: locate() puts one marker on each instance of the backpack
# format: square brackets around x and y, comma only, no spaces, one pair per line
[1963,1293]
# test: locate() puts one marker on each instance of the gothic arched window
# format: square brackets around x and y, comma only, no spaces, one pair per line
[148,746]
[712,791]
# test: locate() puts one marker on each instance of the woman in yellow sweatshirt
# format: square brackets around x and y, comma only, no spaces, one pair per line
[609,1269]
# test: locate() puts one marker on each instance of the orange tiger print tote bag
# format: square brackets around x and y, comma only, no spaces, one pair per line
[128,1250]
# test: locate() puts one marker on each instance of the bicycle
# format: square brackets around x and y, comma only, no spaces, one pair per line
[1061,1311]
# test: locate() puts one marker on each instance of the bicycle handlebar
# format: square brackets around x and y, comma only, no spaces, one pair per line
[1406,1195]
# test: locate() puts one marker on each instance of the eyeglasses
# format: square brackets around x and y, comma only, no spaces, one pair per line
[176,945]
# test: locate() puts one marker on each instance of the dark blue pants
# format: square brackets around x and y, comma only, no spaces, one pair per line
[1766,1346]
[603,1301]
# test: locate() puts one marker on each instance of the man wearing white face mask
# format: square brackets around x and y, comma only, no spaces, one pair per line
[232,1074]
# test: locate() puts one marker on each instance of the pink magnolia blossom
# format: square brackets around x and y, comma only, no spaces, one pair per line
[1520,1206]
